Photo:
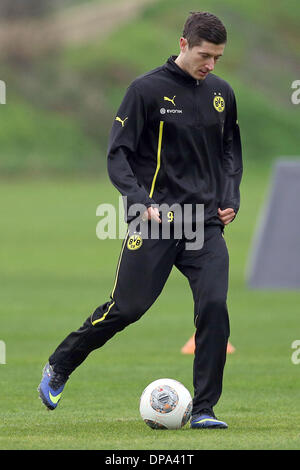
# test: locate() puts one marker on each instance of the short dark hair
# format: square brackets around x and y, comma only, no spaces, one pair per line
[203,26]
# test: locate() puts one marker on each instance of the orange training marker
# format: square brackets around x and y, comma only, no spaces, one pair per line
[230,348]
[189,347]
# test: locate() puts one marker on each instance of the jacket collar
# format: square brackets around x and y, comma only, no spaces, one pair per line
[179,73]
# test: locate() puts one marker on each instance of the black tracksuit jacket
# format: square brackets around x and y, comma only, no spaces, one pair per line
[176,140]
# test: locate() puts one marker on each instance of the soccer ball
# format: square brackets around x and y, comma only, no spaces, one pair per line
[166,404]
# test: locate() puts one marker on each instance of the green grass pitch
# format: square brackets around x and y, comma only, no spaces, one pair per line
[54,272]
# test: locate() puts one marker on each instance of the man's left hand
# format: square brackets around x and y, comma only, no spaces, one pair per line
[226,216]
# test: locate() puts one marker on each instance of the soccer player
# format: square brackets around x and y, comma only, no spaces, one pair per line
[175,140]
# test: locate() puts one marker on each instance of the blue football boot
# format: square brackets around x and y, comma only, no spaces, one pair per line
[207,420]
[51,387]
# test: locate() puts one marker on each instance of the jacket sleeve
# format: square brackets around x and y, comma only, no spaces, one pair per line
[123,144]
[232,158]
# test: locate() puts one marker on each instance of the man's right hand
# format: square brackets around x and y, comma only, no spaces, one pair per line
[151,213]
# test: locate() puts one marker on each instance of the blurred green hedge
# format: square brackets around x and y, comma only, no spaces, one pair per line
[60,106]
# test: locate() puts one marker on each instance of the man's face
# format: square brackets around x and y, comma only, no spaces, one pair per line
[198,61]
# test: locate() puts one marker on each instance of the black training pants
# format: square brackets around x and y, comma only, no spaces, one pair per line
[141,276]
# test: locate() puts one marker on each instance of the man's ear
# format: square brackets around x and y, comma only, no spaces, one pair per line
[183,44]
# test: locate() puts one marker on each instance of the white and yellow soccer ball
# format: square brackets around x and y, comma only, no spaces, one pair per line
[166,404]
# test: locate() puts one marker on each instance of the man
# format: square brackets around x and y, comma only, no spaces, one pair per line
[175,140]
